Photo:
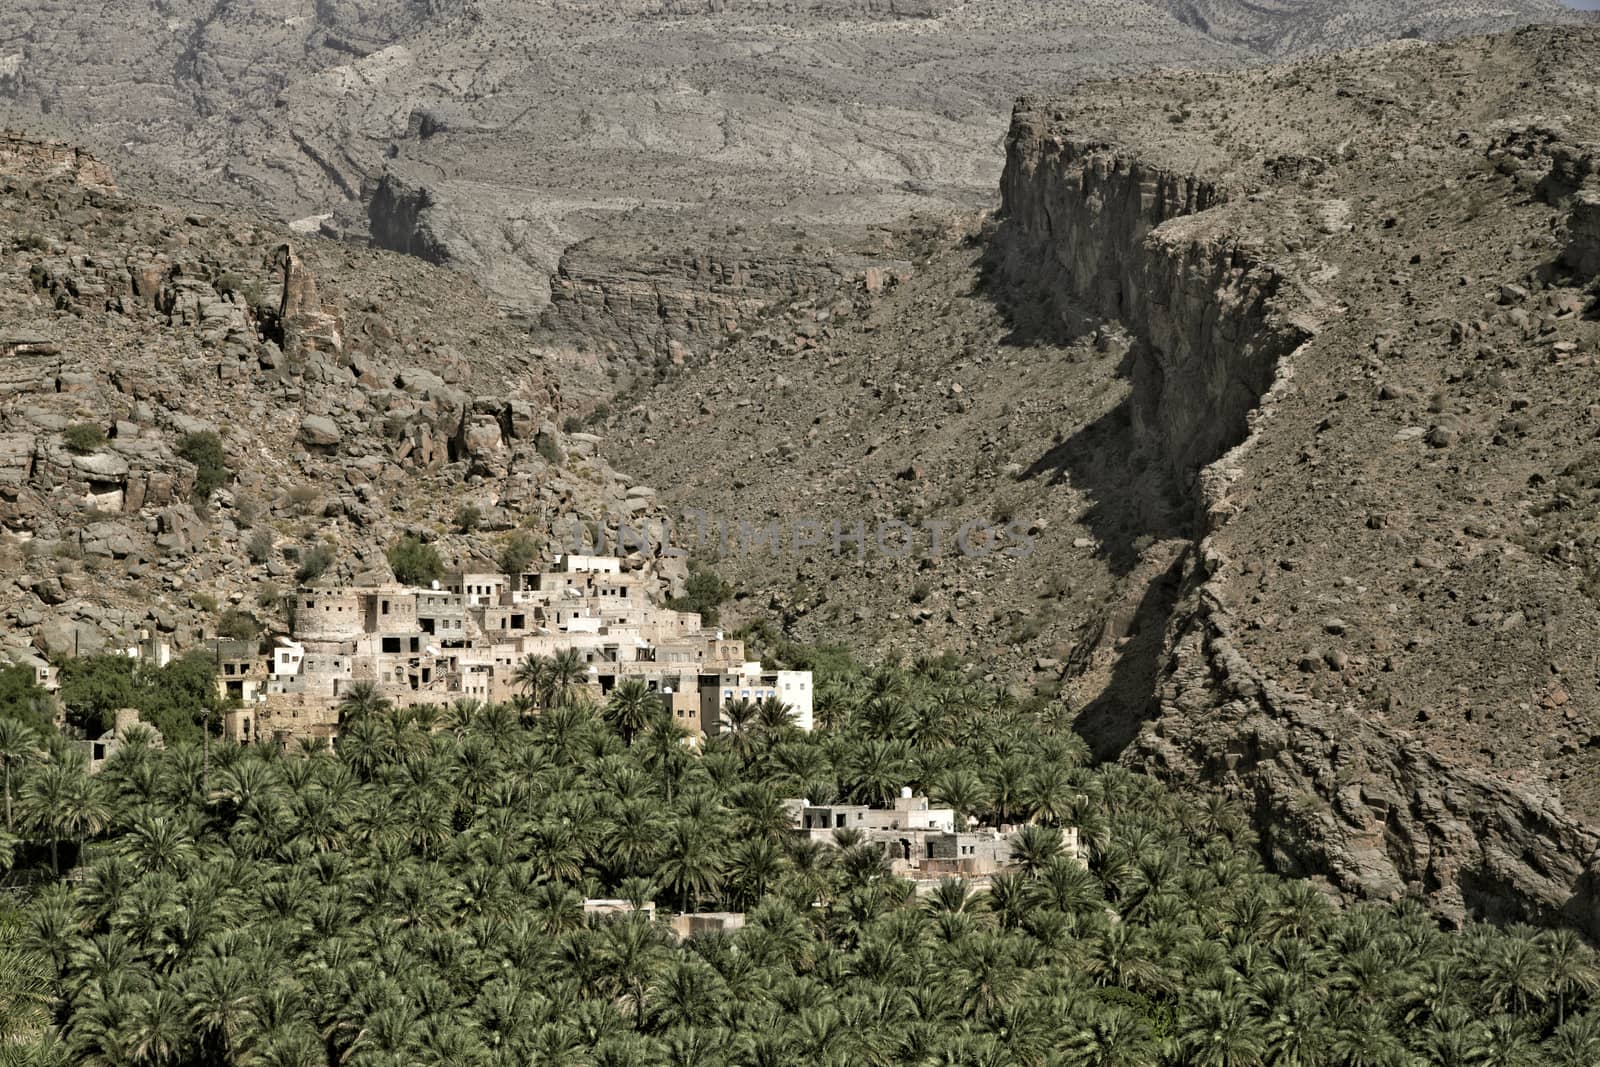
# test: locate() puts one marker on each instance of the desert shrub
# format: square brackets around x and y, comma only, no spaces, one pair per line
[518,553]
[238,625]
[314,562]
[468,518]
[83,437]
[205,602]
[204,450]
[259,547]
[246,510]
[547,448]
[703,592]
[414,561]
[304,497]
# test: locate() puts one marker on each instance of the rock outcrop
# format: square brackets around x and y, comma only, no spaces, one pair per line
[626,301]
[43,159]
[1085,223]
[1251,287]
[189,404]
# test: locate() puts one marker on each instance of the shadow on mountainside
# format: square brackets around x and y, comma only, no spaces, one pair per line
[1135,501]
[1135,505]
[1110,721]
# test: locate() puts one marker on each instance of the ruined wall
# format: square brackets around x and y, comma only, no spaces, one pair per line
[1088,229]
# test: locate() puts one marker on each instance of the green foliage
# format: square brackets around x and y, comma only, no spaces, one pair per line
[259,547]
[704,591]
[82,437]
[518,553]
[173,699]
[177,698]
[416,897]
[414,561]
[546,446]
[22,699]
[238,625]
[314,561]
[94,687]
[468,518]
[27,987]
[204,450]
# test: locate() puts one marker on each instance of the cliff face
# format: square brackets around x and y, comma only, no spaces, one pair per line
[1097,227]
[1244,283]
[397,218]
[621,302]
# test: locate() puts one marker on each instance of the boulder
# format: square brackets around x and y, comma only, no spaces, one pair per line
[60,636]
[102,466]
[481,435]
[319,431]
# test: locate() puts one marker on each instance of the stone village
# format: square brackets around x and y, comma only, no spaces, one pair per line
[463,637]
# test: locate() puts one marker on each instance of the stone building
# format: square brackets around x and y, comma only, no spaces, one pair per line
[464,637]
[918,840]
[125,724]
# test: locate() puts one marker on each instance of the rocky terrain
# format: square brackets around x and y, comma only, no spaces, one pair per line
[1278,385]
[1292,376]
[494,135]
[356,396]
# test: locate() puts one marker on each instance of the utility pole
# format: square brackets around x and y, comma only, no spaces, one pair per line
[205,728]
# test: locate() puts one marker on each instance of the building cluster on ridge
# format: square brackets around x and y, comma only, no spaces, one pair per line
[464,637]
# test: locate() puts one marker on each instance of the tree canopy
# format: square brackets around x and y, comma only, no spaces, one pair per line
[416,898]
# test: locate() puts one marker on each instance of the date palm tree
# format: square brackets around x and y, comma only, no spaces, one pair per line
[19,746]
[1570,968]
[532,676]
[62,803]
[567,676]
[631,707]
[691,862]
[1218,1031]
[362,701]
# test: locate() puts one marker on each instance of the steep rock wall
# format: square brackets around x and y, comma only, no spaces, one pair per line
[397,217]
[1091,230]
[1094,225]
[625,303]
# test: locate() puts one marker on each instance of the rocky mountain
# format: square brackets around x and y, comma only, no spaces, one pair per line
[1289,377]
[496,134]
[1273,389]
[355,396]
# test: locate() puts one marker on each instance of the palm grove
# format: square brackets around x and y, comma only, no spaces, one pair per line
[416,898]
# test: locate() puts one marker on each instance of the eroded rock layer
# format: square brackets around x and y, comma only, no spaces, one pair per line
[1370,323]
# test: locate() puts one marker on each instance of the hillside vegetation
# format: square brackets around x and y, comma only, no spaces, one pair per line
[416,898]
